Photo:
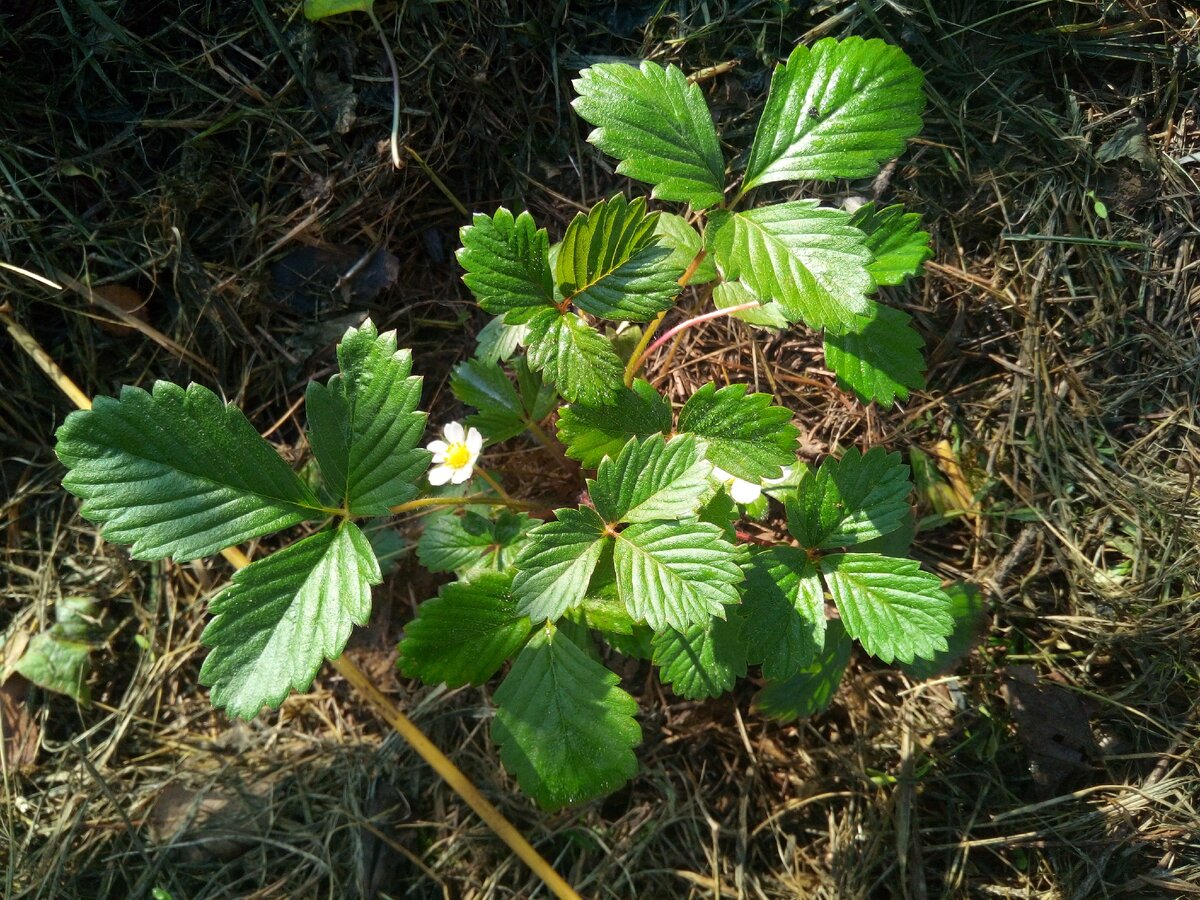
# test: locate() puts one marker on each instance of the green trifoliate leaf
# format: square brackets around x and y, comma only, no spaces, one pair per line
[612,266]
[895,239]
[315,10]
[497,342]
[651,480]
[836,110]
[807,257]
[675,574]
[811,690]
[59,658]
[967,608]
[565,730]
[178,473]
[658,125]
[283,615]
[745,435]
[768,314]
[556,565]
[685,242]
[850,500]
[878,355]
[507,265]
[783,604]
[704,660]
[465,633]
[591,433]
[364,427]
[456,543]
[892,607]
[578,360]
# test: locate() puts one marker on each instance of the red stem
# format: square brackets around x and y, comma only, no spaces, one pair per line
[688,323]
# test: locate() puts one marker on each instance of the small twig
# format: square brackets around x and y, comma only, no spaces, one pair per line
[391,58]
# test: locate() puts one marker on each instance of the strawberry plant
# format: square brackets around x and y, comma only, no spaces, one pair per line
[651,562]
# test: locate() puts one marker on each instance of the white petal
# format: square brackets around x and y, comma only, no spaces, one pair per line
[474,442]
[439,447]
[721,475]
[440,475]
[453,432]
[744,491]
[787,473]
[460,475]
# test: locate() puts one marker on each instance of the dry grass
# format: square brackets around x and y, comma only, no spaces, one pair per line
[181,155]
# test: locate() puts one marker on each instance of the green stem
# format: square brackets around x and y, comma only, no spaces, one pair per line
[391,58]
[473,500]
[495,485]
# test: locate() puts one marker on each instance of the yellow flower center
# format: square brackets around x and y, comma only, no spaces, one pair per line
[458,455]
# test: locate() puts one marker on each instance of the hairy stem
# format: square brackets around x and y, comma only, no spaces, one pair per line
[471,500]
[695,320]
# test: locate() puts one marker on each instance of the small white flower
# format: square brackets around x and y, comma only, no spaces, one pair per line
[454,458]
[740,490]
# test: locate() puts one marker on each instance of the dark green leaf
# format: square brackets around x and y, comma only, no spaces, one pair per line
[807,257]
[836,110]
[556,565]
[745,435]
[283,615]
[465,633]
[574,357]
[783,604]
[485,386]
[452,543]
[892,607]
[858,498]
[878,355]
[364,427]
[178,473]
[705,660]
[507,265]
[658,125]
[895,240]
[811,691]
[565,730]
[612,266]
[651,479]
[967,608]
[675,574]
[591,433]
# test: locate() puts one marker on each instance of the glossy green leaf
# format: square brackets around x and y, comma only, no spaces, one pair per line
[178,473]
[554,568]
[658,125]
[970,616]
[836,110]
[465,633]
[574,357]
[891,606]
[768,314]
[807,257]
[283,615]
[485,386]
[743,433]
[877,356]
[895,240]
[850,500]
[811,690]
[685,242]
[564,727]
[704,660]
[611,264]
[454,543]
[591,433]
[507,265]
[675,574]
[315,10]
[498,342]
[783,605]
[651,479]
[364,426]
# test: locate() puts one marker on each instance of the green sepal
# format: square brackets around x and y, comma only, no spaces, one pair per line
[566,731]
[465,633]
